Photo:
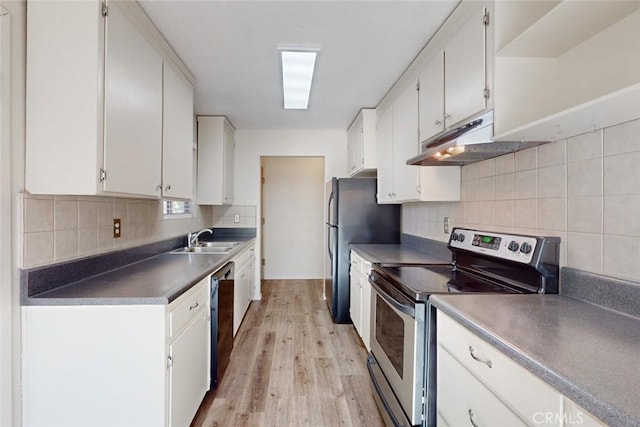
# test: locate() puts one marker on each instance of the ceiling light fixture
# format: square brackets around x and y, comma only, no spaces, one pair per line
[297,74]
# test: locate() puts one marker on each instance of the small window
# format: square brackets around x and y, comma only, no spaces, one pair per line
[176,208]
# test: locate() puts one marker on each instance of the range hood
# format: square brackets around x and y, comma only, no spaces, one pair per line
[466,144]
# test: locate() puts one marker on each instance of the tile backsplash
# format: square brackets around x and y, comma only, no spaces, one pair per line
[225,216]
[60,228]
[584,189]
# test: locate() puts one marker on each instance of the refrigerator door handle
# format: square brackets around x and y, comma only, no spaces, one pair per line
[329,234]
[329,202]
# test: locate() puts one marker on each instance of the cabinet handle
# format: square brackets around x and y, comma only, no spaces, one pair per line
[471,417]
[438,122]
[167,188]
[193,306]
[476,358]
[159,188]
[169,362]
[447,116]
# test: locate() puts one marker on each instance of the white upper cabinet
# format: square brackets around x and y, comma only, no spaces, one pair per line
[465,74]
[133,110]
[94,108]
[384,148]
[406,185]
[216,146]
[563,68]
[454,82]
[431,97]
[361,143]
[177,135]
[397,141]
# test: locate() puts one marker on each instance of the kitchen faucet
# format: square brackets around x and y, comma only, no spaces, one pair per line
[193,237]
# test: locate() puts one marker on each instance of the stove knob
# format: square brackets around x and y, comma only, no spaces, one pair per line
[525,248]
[454,236]
[461,237]
[514,246]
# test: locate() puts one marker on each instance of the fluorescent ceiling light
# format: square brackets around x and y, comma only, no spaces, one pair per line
[297,73]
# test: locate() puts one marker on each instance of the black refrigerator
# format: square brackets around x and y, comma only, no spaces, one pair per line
[353,216]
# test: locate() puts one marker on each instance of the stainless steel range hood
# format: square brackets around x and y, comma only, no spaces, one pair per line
[466,144]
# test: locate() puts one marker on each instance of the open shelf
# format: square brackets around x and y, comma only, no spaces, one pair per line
[549,29]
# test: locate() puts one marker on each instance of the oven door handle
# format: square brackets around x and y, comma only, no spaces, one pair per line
[406,309]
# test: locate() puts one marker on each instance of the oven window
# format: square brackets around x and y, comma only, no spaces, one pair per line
[390,333]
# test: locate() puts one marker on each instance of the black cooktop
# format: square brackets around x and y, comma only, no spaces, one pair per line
[420,281]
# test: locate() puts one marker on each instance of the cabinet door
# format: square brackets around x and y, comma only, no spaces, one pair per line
[355,308]
[465,71]
[188,374]
[239,296]
[384,145]
[405,145]
[431,98]
[177,135]
[365,304]
[229,155]
[133,110]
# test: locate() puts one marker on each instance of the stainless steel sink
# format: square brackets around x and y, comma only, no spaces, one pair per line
[208,248]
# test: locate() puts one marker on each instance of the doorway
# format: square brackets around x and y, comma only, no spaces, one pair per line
[292,217]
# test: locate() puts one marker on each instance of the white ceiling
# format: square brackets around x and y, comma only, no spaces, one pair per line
[231,47]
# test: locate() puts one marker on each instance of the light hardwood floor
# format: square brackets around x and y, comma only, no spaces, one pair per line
[292,366]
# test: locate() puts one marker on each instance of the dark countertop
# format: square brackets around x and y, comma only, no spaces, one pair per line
[156,280]
[401,254]
[588,353]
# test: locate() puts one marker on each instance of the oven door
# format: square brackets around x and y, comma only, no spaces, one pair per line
[397,345]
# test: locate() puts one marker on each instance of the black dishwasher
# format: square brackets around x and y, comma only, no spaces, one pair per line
[221,322]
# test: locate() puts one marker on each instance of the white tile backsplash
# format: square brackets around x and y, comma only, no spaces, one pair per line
[525,184]
[584,147]
[622,256]
[61,228]
[622,174]
[585,178]
[552,154]
[552,181]
[622,215]
[585,189]
[585,251]
[526,159]
[504,164]
[223,216]
[585,214]
[624,138]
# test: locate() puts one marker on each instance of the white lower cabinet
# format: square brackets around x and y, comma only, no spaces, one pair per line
[463,400]
[116,365]
[243,287]
[479,385]
[360,296]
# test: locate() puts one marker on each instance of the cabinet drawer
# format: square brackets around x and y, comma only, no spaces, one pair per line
[526,394]
[188,305]
[465,401]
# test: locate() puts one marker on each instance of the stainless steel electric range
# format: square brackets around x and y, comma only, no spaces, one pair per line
[402,359]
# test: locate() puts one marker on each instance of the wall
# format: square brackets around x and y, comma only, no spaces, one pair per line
[585,189]
[252,144]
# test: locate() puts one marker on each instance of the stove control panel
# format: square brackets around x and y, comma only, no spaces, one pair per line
[513,247]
